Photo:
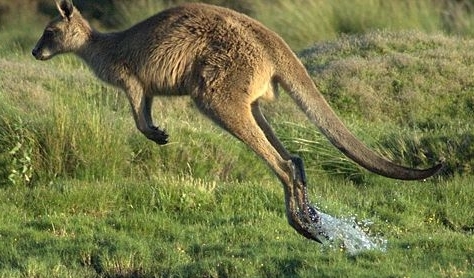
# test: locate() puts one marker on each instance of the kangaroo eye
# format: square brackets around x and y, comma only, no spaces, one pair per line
[49,32]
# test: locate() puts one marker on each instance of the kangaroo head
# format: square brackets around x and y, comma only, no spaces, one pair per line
[67,33]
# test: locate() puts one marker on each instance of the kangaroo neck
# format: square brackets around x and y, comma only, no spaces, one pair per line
[99,53]
[96,45]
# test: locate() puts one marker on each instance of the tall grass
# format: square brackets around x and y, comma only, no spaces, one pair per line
[322,20]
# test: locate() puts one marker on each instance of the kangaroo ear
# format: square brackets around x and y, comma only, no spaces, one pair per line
[65,8]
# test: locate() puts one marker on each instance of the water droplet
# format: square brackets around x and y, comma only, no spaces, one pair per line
[348,234]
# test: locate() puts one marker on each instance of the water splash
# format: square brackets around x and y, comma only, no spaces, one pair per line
[348,234]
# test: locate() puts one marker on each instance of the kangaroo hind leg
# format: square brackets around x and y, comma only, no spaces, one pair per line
[237,118]
[276,143]
[299,180]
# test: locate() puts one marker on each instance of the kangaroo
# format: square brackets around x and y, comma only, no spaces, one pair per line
[227,63]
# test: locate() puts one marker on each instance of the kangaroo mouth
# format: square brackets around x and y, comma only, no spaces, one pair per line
[41,58]
[40,55]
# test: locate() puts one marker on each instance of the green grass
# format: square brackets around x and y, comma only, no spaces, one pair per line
[84,194]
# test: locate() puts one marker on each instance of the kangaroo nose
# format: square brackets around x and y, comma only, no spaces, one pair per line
[37,54]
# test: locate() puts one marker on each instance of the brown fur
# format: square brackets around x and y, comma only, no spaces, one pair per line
[226,62]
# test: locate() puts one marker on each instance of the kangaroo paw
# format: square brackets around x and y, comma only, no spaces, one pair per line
[159,136]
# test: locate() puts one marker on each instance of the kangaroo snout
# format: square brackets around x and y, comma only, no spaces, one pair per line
[41,52]
[35,52]
[38,54]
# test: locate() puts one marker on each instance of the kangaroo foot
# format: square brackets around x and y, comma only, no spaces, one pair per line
[303,217]
[312,220]
[307,222]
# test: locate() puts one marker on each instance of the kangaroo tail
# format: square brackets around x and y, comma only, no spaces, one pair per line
[296,81]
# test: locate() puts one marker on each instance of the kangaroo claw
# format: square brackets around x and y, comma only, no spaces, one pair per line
[159,136]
